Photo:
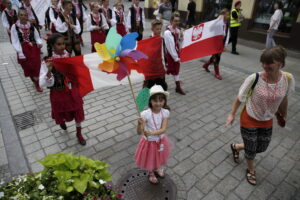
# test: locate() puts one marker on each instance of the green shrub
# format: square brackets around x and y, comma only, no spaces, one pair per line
[65,176]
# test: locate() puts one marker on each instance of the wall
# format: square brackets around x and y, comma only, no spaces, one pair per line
[247,6]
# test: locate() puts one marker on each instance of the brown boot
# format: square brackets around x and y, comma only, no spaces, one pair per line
[178,88]
[79,136]
[37,86]
[217,73]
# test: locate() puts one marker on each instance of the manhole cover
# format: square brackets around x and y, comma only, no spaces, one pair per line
[24,120]
[135,186]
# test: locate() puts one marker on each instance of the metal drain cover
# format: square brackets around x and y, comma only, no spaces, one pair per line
[24,120]
[135,186]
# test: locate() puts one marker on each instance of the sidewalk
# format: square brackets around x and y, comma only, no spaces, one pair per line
[201,164]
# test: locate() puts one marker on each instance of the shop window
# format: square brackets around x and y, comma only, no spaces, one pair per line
[265,10]
[213,7]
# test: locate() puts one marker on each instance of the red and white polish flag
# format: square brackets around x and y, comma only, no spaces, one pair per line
[85,72]
[203,40]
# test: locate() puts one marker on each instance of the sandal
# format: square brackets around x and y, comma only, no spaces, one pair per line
[153,179]
[251,178]
[160,173]
[235,153]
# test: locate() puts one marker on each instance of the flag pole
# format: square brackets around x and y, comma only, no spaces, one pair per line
[132,92]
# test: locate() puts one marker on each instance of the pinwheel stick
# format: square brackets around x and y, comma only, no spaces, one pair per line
[132,92]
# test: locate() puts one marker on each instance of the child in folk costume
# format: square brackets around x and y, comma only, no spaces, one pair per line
[215,59]
[9,16]
[172,37]
[68,25]
[155,74]
[107,12]
[52,15]
[79,10]
[27,42]
[119,17]
[136,19]
[153,148]
[97,25]
[31,14]
[66,102]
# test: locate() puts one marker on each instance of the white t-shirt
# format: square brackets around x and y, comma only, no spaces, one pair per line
[153,121]
[276,17]
[264,101]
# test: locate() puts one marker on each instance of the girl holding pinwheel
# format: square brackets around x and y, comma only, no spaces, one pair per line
[153,149]
[97,25]
[66,102]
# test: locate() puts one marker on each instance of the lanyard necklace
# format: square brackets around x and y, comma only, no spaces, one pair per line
[271,99]
[154,120]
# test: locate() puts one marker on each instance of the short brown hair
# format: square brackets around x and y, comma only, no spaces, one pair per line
[66,2]
[277,53]
[156,23]
[175,14]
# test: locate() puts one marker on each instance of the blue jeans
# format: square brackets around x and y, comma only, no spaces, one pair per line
[270,41]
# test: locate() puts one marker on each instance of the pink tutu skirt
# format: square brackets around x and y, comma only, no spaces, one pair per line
[148,156]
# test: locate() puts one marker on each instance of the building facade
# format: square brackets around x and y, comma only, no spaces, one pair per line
[257,15]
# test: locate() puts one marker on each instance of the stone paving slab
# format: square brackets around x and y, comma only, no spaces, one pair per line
[201,164]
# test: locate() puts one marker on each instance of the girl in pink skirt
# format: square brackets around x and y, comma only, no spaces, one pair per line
[153,148]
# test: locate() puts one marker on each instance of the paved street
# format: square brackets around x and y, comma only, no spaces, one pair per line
[201,164]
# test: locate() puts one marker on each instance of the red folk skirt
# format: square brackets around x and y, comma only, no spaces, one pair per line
[32,64]
[97,36]
[121,29]
[66,105]
[172,67]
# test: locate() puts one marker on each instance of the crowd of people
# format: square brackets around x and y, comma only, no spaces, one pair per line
[265,93]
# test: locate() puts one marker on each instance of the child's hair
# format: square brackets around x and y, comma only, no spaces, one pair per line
[21,10]
[277,53]
[175,14]
[93,4]
[66,2]
[223,11]
[156,23]
[51,41]
[158,96]
[279,3]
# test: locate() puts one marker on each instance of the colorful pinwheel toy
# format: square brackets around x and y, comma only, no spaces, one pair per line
[118,54]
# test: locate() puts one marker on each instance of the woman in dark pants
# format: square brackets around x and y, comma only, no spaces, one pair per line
[265,95]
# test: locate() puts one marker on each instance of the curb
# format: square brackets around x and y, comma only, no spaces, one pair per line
[15,154]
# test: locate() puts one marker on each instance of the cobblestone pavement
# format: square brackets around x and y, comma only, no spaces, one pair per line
[201,164]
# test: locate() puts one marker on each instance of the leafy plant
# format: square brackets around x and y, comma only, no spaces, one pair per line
[65,176]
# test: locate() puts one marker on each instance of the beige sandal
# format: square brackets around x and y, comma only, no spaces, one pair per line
[153,179]
[160,173]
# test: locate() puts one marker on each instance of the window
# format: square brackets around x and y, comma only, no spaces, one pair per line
[213,7]
[265,10]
